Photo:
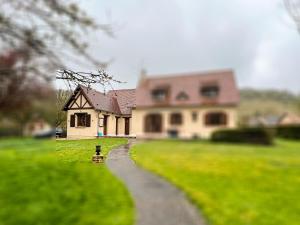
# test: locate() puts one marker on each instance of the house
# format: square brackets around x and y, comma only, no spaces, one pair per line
[182,105]
[274,120]
[36,126]
[94,114]
[185,105]
[264,121]
[289,119]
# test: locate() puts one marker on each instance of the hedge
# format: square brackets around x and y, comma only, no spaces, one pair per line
[244,135]
[7,132]
[289,132]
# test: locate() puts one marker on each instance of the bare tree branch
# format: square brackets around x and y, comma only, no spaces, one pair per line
[47,29]
[293,8]
[85,78]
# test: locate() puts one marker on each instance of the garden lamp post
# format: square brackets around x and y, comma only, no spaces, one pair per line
[98,149]
[98,157]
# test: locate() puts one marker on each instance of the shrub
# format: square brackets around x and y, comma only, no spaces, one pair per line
[10,132]
[289,132]
[244,135]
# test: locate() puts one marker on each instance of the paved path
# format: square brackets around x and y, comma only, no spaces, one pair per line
[157,202]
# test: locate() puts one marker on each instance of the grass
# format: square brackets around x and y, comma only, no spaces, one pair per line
[54,182]
[231,184]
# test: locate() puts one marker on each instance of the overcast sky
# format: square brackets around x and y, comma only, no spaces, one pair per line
[256,38]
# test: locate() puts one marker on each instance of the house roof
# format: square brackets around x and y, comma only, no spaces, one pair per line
[189,84]
[100,101]
[289,119]
[183,90]
[118,102]
[125,98]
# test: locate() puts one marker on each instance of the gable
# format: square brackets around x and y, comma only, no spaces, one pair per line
[117,101]
[78,101]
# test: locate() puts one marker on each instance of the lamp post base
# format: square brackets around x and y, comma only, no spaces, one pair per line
[98,159]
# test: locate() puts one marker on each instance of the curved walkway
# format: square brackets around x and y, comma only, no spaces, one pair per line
[157,201]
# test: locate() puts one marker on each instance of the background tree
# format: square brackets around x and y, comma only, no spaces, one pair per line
[37,38]
[293,8]
[50,31]
[61,116]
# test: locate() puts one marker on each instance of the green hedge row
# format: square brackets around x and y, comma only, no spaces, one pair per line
[8,132]
[289,132]
[244,135]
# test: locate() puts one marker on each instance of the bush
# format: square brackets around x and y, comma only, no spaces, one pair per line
[10,132]
[289,132]
[244,135]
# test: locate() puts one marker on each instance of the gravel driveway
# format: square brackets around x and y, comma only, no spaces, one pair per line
[157,201]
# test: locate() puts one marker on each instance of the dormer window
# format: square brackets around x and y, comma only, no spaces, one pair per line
[182,96]
[210,91]
[160,94]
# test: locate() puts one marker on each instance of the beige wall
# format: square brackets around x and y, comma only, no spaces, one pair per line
[121,127]
[91,132]
[111,124]
[82,132]
[188,128]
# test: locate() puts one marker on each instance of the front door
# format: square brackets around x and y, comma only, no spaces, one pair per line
[127,126]
[105,124]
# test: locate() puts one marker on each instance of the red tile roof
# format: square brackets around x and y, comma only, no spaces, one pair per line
[190,84]
[125,99]
[184,90]
[100,101]
[117,101]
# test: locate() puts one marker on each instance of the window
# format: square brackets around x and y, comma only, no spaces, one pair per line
[194,116]
[210,91]
[215,119]
[182,96]
[153,123]
[80,119]
[160,94]
[83,120]
[176,119]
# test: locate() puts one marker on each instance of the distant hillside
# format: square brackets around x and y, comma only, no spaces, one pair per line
[267,102]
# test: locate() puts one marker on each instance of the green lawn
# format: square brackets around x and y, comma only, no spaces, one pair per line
[54,183]
[231,184]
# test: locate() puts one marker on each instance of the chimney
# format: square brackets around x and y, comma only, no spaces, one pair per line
[143,75]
